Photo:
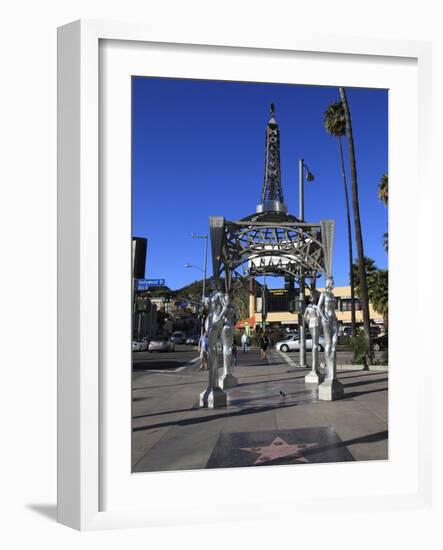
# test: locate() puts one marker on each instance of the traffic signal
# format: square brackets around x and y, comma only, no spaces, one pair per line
[139,246]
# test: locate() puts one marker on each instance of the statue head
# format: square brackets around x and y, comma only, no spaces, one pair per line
[330,283]
[315,295]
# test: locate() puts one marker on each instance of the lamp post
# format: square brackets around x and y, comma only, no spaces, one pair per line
[302,168]
[264,309]
[204,263]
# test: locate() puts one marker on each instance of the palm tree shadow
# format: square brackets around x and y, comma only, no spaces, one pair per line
[48,511]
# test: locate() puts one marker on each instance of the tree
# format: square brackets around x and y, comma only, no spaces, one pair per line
[370,269]
[386,241]
[383,189]
[378,289]
[383,195]
[357,222]
[335,123]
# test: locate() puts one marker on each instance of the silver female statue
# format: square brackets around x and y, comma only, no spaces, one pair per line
[326,307]
[214,396]
[227,379]
[313,319]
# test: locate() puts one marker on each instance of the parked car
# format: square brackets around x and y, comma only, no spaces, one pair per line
[161,343]
[139,346]
[293,343]
[374,331]
[380,342]
[178,337]
[192,340]
[346,331]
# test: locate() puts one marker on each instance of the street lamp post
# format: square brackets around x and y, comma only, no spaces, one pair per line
[264,310]
[204,263]
[301,205]
[200,305]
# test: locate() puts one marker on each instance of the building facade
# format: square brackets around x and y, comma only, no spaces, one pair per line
[278,312]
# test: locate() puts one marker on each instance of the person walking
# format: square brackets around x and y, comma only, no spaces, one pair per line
[234,354]
[264,344]
[245,342]
[203,350]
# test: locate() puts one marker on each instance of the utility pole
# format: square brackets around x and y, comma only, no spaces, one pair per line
[205,262]
[301,215]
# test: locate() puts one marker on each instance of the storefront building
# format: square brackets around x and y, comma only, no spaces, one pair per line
[280,310]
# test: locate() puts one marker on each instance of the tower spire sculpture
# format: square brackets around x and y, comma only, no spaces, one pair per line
[272,194]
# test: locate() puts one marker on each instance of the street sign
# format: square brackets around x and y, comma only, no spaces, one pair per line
[143,284]
[181,304]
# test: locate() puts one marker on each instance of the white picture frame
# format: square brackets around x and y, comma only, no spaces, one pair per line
[87,461]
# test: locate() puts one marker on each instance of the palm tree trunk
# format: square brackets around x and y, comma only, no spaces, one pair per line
[357,222]
[351,260]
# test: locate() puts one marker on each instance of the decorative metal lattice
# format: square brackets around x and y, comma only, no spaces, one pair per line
[279,246]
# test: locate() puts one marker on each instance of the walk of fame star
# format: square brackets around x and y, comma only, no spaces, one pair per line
[280,449]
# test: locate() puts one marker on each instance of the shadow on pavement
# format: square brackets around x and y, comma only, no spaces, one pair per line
[203,419]
[364,382]
[357,393]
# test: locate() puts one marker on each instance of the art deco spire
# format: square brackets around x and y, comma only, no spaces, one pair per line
[272,195]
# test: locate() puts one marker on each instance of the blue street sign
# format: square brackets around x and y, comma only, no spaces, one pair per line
[143,284]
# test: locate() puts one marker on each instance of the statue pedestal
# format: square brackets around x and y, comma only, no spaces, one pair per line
[314,378]
[213,398]
[330,390]
[227,381]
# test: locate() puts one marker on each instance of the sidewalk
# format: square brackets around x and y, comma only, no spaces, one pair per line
[259,426]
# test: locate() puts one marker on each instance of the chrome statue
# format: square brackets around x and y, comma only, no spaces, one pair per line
[227,379]
[326,307]
[313,318]
[214,396]
[331,388]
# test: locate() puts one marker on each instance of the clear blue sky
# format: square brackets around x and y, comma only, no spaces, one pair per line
[198,150]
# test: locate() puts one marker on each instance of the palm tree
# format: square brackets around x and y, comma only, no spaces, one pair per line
[383,195]
[379,294]
[370,270]
[335,124]
[386,241]
[383,189]
[357,223]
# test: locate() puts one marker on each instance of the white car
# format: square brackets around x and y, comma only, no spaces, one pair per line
[161,343]
[293,343]
[139,346]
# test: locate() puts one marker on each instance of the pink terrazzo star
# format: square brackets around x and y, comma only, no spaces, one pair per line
[280,449]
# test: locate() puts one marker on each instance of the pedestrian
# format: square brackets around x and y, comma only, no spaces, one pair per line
[234,354]
[245,342]
[203,349]
[264,344]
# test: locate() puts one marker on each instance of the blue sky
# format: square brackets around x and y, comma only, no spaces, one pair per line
[198,150]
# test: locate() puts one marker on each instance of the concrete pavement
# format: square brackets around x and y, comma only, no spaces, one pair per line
[259,426]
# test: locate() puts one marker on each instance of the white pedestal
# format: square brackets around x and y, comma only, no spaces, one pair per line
[313,378]
[330,390]
[227,381]
[213,398]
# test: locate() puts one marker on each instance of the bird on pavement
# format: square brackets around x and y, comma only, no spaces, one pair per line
[282,394]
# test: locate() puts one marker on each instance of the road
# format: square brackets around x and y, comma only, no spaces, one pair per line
[164,361]
[144,361]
